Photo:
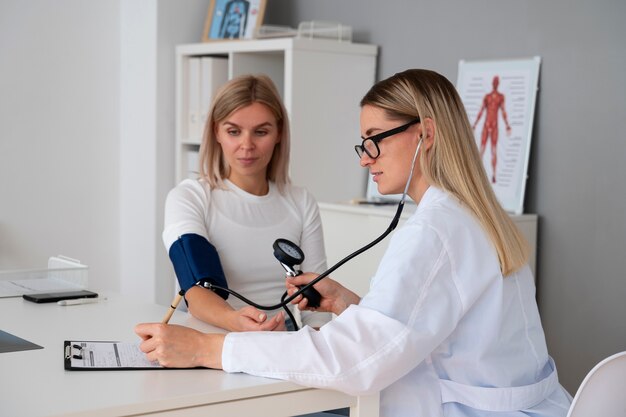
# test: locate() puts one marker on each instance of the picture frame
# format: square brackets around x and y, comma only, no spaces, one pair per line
[499,98]
[233,19]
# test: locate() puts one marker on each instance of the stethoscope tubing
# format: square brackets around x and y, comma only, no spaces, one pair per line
[285,301]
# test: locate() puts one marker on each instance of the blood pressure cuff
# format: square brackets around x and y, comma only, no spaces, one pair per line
[196,259]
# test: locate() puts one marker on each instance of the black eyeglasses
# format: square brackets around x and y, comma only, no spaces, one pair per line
[370,145]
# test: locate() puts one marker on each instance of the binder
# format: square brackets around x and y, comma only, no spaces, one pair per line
[193,163]
[205,76]
[213,74]
[193,101]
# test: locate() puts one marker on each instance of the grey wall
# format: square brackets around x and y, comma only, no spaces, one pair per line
[577,168]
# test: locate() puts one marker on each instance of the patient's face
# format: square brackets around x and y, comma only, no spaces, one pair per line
[248,137]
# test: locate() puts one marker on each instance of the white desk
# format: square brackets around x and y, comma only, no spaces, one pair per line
[34,382]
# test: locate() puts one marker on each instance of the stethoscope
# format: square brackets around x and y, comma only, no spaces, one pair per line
[289,255]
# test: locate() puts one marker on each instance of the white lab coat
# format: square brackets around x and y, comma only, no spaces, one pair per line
[440,333]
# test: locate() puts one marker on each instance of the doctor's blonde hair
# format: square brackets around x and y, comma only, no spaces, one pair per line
[232,96]
[453,162]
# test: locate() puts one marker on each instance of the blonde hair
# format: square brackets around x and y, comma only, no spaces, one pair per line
[232,96]
[453,162]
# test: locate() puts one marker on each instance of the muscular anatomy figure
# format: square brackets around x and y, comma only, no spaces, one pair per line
[492,102]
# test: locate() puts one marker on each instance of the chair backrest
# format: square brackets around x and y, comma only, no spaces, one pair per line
[603,391]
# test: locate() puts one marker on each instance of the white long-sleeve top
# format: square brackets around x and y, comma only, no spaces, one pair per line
[440,333]
[243,228]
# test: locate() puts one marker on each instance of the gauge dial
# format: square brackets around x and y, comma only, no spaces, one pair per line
[288,252]
[289,249]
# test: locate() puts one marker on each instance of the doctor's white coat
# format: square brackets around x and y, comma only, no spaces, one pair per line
[440,333]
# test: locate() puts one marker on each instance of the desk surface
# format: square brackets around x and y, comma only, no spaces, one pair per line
[34,383]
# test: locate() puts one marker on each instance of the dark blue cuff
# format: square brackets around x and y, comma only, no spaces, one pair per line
[194,259]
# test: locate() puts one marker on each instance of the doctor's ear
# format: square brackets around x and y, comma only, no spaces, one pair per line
[427,132]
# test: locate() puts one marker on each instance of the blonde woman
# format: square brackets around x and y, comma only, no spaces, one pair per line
[450,326]
[221,227]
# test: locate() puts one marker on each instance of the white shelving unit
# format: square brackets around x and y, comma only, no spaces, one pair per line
[321,83]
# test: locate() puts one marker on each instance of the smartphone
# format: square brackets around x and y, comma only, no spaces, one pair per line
[53,297]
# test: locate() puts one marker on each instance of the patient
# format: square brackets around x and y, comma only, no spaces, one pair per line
[221,226]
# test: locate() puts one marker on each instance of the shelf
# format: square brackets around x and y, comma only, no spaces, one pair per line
[320,81]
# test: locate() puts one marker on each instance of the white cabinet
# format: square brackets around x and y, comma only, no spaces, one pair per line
[348,227]
[321,83]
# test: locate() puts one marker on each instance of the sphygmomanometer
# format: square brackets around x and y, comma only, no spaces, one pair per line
[196,262]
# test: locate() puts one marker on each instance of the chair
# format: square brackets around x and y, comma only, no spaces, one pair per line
[603,391]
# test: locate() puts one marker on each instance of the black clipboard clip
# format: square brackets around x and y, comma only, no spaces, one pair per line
[74,351]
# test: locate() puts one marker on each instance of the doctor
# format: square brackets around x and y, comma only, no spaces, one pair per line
[450,326]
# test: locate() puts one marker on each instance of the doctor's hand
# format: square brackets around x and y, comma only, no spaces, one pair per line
[335,297]
[180,347]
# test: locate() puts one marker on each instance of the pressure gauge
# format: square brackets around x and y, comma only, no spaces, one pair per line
[289,255]
[288,252]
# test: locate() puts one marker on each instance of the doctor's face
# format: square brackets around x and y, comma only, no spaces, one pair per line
[391,169]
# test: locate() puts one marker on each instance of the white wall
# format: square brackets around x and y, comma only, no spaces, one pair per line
[150,30]
[178,22]
[138,225]
[59,134]
[87,135]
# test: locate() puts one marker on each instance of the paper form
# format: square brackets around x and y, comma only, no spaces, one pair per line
[106,355]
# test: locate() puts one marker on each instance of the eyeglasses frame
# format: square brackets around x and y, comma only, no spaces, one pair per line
[360,149]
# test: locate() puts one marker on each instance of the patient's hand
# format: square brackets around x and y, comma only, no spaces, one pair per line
[251,319]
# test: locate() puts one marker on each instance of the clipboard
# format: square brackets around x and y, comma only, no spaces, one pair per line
[105,356]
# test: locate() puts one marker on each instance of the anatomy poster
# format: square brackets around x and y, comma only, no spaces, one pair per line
[499,97]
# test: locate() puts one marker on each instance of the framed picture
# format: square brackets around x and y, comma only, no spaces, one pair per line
[233,19]
[499,98]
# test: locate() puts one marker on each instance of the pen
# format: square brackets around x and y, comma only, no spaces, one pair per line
[373,202]
[78,301]
[173,306]
[377,203]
